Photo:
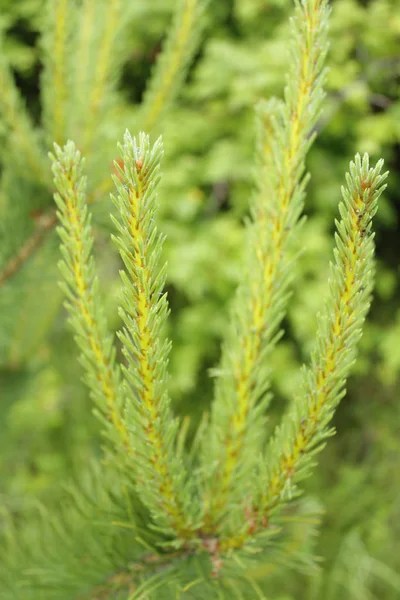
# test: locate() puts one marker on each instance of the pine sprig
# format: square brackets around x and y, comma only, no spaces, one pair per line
[81,289]
[23,135]
[84,39]
[171,66]
[161,479]
[290,455]
[234,439]
[60,17]
[104,50]
[305,428]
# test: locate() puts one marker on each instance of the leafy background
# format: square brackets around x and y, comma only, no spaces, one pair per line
[48,431]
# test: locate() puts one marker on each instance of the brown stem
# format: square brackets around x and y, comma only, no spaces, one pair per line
[128,577]
[45,222]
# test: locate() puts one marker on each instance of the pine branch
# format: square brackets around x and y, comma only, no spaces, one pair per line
[161,479]
[172,64]
[85,40]
[59,22]
[81,289]
[235,436]
[17,120]
[290,455]
[103,50]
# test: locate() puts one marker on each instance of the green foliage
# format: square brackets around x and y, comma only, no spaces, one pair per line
[110,538]
[237,421]
[161,480]
[82,290]
[158,471]
[304,430]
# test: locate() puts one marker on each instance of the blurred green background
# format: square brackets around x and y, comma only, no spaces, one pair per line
[47,429]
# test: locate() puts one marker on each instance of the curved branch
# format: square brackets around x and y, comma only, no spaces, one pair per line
[45,224]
